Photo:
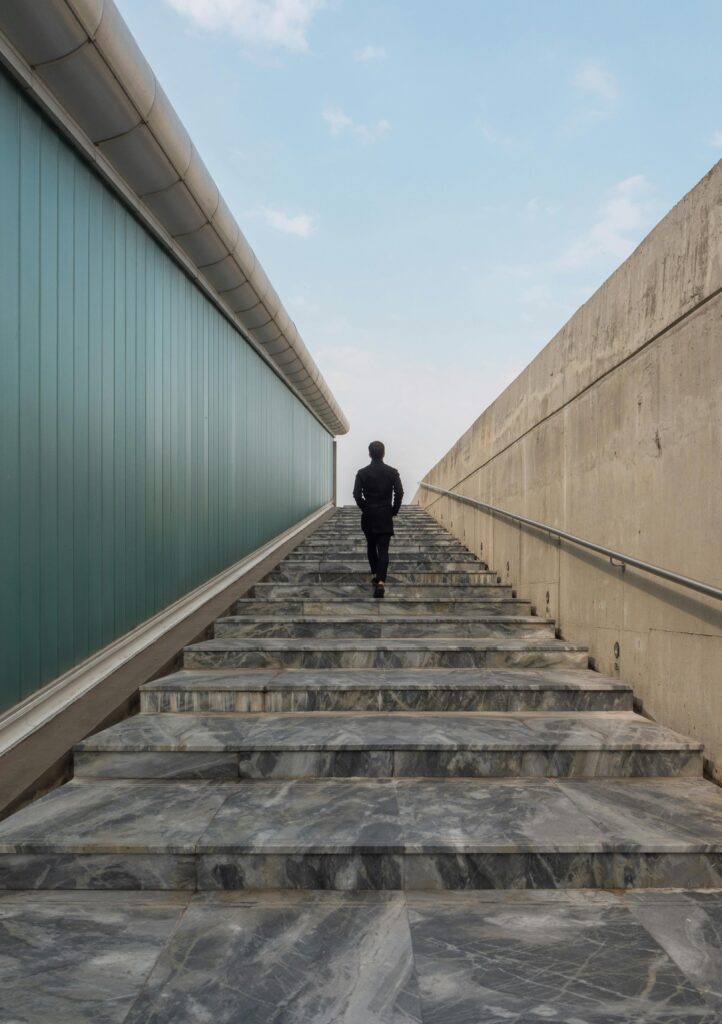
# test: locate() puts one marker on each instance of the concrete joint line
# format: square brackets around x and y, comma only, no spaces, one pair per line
[38,709]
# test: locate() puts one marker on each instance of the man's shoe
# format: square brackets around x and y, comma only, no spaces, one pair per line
[379,590]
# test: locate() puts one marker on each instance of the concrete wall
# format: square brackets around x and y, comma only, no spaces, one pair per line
[614,433]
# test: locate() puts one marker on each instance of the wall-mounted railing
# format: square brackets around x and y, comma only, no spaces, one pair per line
[614,556]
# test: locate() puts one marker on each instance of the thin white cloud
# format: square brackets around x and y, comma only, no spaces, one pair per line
[493,137]
[620,225]
[371,53]
[281,23]
[300,224]
[537,206]
[716,139]
[627,213]
[338,121]
[594,78]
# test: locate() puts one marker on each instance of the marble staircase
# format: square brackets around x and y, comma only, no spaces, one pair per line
[442,738]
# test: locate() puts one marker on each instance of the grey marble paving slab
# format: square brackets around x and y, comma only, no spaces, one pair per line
[80,958]
[330,961]
[496,961]
[667,816]
[308,817]
[506,816]
[688,926]
[114,817]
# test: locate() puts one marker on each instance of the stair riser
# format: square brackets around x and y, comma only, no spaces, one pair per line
[422,563]
[398,547]
[402,764]
[361,566]
[383,609]
[415,592]
[357,553]
[472,699]
[399,537]
[439,871]
[458,871]
[353,529]
[384,659]
[360,871]
[395,576]
[386,629]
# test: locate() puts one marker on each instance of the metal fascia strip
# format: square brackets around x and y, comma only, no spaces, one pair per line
[38,709]
[123,61]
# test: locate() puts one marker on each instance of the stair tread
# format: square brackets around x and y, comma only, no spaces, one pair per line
[259,790]
[378,679]
[400,815]
[383,644]
[393,600]
[400,730]
[414,620]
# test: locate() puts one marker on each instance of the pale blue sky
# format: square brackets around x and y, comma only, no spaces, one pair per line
[435,188]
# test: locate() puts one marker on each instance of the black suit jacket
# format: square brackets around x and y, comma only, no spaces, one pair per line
[378,493]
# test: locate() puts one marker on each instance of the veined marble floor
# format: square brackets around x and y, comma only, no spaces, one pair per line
[586,957]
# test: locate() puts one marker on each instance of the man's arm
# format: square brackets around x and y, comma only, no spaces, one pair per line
[398,495]
[358,492]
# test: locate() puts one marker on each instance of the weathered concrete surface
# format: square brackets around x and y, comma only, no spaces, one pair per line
[614,432]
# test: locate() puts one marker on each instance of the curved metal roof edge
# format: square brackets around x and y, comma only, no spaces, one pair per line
[81,55]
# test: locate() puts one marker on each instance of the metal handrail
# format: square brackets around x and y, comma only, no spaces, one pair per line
[615,556]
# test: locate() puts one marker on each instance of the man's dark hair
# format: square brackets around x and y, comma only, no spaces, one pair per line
[377,450]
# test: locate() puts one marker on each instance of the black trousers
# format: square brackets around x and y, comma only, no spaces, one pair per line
[378,551]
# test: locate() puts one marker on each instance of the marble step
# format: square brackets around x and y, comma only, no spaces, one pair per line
[393,578]
[398,690]
[338,626]
[374,690]
[395,575]
[408,591]
[361,565]
[361,652]
[411,533]
[390,607]
[358,545]
[326,553]
[407,834]
[400,744]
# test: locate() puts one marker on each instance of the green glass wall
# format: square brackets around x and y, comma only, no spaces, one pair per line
[144,445]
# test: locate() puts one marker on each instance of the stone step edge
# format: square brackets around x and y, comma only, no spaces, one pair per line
[377,643]
[344,620]
[178,683]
